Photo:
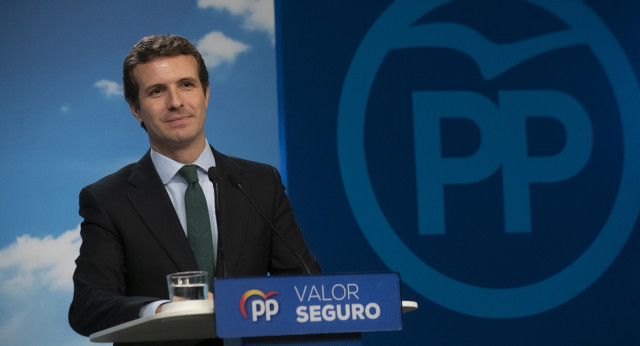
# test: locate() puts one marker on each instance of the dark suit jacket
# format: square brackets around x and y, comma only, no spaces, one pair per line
[132,238]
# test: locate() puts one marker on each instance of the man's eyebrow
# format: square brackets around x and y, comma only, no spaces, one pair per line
[188,79]
[163,85]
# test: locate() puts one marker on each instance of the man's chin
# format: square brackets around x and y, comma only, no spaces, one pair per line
[180,141]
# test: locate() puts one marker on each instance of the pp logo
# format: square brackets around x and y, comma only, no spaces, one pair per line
[267,307]
[501,118]
[499,149]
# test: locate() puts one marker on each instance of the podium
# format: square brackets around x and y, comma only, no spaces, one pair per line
[329,309]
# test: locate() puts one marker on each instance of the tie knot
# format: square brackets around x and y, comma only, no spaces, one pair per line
[190,173]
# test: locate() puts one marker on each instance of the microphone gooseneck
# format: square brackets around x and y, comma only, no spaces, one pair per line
[235,182]
[213,177]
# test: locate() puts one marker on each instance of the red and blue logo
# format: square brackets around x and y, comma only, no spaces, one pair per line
[266,306]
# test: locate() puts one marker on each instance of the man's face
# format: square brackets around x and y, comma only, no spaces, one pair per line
[172,104]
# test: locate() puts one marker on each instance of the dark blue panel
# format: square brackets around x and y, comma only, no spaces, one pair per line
[502,183]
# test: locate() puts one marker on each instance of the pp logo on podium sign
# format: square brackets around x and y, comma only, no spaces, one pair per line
[266,307]
[501,118]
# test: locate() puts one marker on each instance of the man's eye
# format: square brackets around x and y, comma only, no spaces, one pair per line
[155,91]
[187,84]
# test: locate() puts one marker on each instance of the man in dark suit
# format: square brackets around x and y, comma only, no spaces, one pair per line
[134,231]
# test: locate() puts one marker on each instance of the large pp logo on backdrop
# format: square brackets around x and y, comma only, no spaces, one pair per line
[504,145]
[500,120]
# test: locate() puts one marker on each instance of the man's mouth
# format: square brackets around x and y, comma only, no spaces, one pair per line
[178,118]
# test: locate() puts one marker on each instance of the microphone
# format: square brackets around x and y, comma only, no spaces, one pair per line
[235,182]
[213,177]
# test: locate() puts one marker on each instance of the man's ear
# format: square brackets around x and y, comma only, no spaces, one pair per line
[135,110]
[206,98]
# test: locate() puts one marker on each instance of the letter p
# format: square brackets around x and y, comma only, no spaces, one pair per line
[503,145]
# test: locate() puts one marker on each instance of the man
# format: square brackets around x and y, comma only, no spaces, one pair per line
[136,228]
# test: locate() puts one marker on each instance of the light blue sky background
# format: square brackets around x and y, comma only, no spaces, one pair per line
[65,124]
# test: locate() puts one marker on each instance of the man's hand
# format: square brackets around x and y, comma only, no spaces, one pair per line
[179,299]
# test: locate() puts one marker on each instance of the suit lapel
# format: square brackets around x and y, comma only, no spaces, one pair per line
[233,213]
[151,201]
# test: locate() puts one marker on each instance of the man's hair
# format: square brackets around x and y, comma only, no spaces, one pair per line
[156,46]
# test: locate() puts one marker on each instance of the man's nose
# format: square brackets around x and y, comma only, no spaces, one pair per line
[174,99]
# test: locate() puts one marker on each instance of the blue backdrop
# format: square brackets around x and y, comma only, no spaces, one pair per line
[487,151]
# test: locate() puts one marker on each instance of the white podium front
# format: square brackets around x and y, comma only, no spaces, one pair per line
[192,319]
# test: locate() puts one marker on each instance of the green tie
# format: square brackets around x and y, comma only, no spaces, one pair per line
[198,224]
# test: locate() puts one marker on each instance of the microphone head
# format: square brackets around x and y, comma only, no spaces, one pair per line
[213,174]
[234,180]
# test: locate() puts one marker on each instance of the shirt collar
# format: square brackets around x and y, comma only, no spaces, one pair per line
[167,168]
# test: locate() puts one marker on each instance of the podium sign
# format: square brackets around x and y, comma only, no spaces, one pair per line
[309,304]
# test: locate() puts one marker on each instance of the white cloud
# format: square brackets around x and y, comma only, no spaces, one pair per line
[216,48]
[108,88]
[31,263]
[64,108]
[36,288]
[257,14]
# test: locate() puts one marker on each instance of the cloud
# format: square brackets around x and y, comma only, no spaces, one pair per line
[216,48]
[32,263]
[36,290]
[108,88]
[64,108]
[257,14]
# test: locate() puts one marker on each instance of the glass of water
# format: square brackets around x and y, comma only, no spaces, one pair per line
[188,285]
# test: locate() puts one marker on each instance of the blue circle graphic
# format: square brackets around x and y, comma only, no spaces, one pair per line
[394,30]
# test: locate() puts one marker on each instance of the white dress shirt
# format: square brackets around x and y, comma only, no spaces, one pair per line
[176,187]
